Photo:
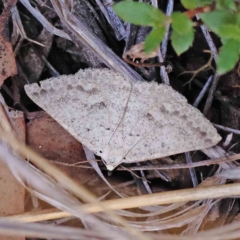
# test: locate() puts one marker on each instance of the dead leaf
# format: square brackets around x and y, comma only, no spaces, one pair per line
[7,58]
[136,56]
[52,141]
[137,51]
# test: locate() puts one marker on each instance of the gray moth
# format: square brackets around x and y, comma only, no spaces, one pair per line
[121,121]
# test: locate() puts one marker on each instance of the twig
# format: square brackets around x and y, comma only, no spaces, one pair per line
[227,129]
[203,91]
[166,36]
[211,94]
[115,22]
[191,170]
[162,54]
[202,68]
[144,181]
[163,72]
[163,198]
[92,9]
[74,165]
[216,77]
[163,175]
[104,12]
[51,69]
[184,165]
[112,18]
[209,40]
[132,172]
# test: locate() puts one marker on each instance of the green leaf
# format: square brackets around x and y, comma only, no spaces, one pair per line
[229,31]
[228,56]
[182,42]
[191,4]
[214,20]
[154,38]
[140,13]
[181,23]
[224,40]
[226,4]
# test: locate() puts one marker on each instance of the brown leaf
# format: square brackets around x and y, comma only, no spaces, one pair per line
[52,141]
[7,59]
[137,51]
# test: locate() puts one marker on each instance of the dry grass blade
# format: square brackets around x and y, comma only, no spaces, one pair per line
[50,231]
[186,195]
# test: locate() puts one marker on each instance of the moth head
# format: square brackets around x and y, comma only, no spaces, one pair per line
[112,157]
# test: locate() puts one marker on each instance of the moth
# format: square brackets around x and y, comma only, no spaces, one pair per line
[121,121]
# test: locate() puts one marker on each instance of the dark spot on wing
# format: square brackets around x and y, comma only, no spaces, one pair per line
[43,92]
[163,109]
[51,90]
[184,117]
[150,117]
[176,113]
[203,134]
[35,94]
[208,141]
[93,91]
[80,88]
[69,87]
[99,105]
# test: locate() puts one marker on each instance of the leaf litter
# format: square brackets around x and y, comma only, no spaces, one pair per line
[7,58]
[190,215]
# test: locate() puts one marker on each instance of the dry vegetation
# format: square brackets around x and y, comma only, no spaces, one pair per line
[188,196]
